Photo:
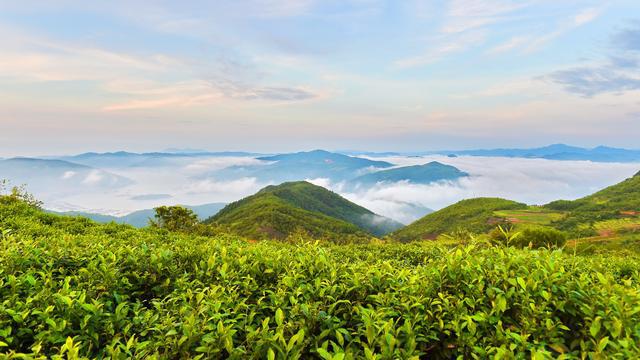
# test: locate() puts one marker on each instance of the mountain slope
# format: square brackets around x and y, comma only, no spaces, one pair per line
[277,211]
[619,201]
[473,215]
[417,174]
[304,165]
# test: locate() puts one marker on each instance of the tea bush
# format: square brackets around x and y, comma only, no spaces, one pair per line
[71,288]
[529,236]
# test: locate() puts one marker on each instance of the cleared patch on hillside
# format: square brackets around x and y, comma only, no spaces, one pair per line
[532,215]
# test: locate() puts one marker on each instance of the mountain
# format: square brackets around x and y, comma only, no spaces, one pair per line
[560,152]
[64,176]
[417,174]
[122,159]
[474,215]
[141,218]
[304,165]
[619,201]
[278,211]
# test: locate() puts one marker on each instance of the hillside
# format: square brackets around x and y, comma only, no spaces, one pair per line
[141,218]
[417,174]
[617,202]
[277,211]
[111,291]
[303,165]
[474,215]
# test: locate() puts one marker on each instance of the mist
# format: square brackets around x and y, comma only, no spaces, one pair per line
[532,181]
[193,181]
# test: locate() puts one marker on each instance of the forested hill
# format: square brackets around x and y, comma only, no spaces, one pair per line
[618,201]
[472,215]
[278,211]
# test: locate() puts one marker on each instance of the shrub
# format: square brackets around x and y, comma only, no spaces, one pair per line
[532,237]
[174,218]
[537,237]
[72,288]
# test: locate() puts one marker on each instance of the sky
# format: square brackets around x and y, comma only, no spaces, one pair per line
[284,75]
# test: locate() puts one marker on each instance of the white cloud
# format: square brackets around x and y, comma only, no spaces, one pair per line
[533,181]
[442,48]
[581,18]
[230,189]
[94,177]
[218,163]
[512,43]
[586,16]
[68,174]
[465,15]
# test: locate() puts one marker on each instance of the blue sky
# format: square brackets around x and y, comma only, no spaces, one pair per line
[280,75]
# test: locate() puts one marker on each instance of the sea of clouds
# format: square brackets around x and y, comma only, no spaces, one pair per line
[533,181]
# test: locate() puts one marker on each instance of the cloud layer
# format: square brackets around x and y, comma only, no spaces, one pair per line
[532,181]
[619,73]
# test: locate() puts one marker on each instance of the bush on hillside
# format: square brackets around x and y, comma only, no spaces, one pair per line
[537,237]
[174,218]
[563,205]
[532,237]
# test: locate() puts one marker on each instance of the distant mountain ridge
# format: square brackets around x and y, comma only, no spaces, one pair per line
[279,210]
[562,152]
[550,152]
[416,174]
[304,165]
[65,176]
[132,159]
[141,218]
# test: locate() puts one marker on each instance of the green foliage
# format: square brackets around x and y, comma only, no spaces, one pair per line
[473,215]
[174,218]
[504,235]
[531,236]
[72,288]
[184,220]
[614,202]
[532,215]
[277,211]
[19,193]
[563,205]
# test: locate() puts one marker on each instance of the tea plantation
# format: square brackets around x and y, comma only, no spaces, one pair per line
[73,289]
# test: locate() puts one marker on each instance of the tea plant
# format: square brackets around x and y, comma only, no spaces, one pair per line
[70,288]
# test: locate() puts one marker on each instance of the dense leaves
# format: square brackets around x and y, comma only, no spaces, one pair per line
[73,288]
[530,236]
[174,218]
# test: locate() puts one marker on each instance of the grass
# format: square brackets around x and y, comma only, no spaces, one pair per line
[473,215]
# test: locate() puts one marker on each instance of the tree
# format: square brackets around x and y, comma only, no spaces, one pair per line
[174,218]
[18,193]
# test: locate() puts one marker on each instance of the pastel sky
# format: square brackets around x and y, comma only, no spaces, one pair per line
[281,75]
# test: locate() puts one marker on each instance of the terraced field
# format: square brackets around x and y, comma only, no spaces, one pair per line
[532,215]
